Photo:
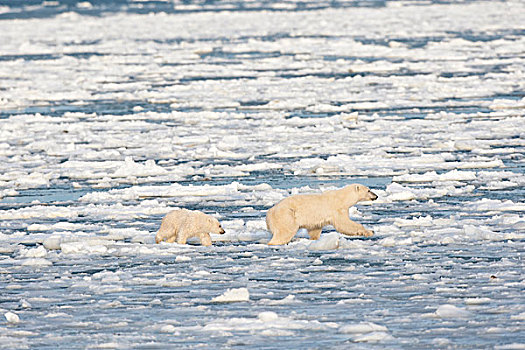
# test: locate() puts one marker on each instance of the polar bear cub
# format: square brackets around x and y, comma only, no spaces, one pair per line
[314,211]
[180,224]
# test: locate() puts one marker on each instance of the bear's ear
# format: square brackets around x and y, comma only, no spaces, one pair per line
[356,188]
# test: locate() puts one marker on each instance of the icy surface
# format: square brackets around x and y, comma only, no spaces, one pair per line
[114,113]
[233,295]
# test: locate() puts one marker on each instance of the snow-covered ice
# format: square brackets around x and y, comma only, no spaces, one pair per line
[114,113]
[233,295]
[11,317]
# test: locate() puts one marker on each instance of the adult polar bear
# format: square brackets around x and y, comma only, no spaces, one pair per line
[314,211]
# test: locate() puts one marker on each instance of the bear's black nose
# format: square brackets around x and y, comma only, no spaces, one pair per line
[221,231]
[373,196]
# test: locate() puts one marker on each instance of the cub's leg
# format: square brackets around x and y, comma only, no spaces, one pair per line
[315,233]
[172,238]
[181,237]
[344,225]
[164,233]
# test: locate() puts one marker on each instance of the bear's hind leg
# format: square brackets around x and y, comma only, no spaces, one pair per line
[282,235]
[281,223]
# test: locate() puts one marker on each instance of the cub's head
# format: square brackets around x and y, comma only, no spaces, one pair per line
[215,225]
[362,192]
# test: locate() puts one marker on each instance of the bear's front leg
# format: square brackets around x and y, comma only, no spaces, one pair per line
[181,237]
[205,239]
[348,227]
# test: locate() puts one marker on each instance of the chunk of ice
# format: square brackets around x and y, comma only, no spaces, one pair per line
[267,316]
[11,317]
[451,311]
[477,301]
[365,327]
[453,175]
[328,241]
[373,337]
[233,295]
[39,252]
[36,262]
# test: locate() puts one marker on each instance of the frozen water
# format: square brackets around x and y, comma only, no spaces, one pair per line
[451,311]
[329,241]
[232,295]
[114,113]
[11,317]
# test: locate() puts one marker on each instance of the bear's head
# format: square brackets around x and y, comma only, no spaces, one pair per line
[215,225]
[361,193]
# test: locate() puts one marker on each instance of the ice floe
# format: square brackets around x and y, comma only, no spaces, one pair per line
[11,317]
[268,320]
[451,311]
[233,295]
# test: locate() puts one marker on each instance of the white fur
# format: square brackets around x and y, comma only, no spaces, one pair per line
[314,211]
[181,224]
